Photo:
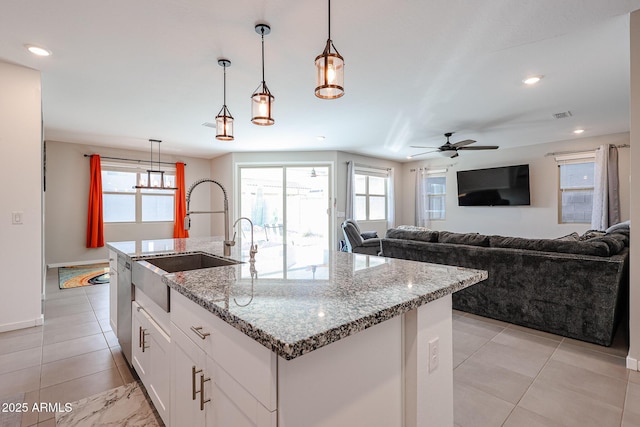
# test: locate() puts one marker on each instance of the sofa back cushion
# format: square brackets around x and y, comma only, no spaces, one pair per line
[596,248]
[412,233]
[472,239]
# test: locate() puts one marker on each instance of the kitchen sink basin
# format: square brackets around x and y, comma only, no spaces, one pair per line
[147,273]
[192,261]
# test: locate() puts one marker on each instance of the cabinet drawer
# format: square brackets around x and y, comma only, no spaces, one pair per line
[252,365]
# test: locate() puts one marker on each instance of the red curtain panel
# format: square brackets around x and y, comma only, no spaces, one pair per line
[180,209]
[95,226]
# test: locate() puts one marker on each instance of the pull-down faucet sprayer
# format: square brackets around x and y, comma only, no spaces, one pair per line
[187,219]
[253,249]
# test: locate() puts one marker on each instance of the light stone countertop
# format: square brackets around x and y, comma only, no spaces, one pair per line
[301,299]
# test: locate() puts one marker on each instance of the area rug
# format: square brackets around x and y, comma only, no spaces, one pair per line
[83,275]
[126,405]
[11,409]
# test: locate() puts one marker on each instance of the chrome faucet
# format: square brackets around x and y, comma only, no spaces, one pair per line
[253,249]
[187,219]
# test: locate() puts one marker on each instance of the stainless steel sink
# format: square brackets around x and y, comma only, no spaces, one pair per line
[186,262]
[147,273]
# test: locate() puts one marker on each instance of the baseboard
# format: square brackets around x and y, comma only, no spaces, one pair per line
[67,264]
[38,321]
[632,363]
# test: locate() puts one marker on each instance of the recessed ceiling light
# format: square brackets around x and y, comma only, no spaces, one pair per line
[578,131]
[409,157]
[532,80]
[320,137]
[38,50]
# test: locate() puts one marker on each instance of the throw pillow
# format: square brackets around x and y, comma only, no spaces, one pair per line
[411,234]
[369,235]
[590,234]
[573,237]
[626,225]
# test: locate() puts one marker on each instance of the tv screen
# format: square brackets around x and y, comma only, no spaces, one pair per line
[504,186]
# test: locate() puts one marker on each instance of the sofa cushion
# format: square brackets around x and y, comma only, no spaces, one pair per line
[369,235]
[472,239]
[549,245]
[412,233]
[615,242]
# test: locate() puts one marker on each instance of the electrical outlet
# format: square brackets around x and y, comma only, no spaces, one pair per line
[16,217]
[434,354]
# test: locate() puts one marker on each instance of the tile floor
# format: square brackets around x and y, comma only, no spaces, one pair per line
[504,375]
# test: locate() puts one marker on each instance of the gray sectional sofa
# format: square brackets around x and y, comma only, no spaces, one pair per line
[576,289]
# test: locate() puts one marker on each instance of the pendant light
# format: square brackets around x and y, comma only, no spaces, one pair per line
[159,183]
[262,100]
[224,119]
[329,69]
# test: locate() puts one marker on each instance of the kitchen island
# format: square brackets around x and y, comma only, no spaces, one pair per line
[344,339]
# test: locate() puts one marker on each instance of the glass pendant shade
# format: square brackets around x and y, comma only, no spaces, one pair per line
[224,125]
[262,107]
[329,74]
[262,100]
[224,119]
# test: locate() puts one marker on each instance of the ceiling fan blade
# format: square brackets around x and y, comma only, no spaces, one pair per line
[463,143]
[421,146]
[480,147]
[420,154]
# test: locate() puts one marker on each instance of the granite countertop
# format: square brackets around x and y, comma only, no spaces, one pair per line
[294,300]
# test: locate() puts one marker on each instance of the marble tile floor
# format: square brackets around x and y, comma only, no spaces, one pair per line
[504,375]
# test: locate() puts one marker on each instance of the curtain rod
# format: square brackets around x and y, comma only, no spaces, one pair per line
[133,160]
[434,168]
[557,153]
[370,167]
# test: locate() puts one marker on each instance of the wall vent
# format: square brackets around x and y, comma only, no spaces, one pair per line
[563,115]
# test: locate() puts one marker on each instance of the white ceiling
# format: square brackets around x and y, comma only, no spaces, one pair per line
[124,71]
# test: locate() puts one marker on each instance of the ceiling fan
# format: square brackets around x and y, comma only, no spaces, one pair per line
[452,149]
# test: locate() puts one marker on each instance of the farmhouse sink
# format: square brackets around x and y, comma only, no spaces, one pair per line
[186,262]
[147,273]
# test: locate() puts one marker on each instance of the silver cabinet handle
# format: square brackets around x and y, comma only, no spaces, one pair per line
[144,339]
[193,381]
[140,336]
[197,329]
[202,401]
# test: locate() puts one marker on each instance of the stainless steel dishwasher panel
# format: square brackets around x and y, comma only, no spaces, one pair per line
[125,296]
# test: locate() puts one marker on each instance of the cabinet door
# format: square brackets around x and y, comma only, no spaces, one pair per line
[158,346]
[113,290]
[232,405]
[141,360]
[188,363]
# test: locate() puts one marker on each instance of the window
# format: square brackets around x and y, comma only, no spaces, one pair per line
[124,203]
[436,194]
[371,194]
[575,198]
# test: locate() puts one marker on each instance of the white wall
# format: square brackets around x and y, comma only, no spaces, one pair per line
[540,219]
[634,291]
[66,201]
[21,191]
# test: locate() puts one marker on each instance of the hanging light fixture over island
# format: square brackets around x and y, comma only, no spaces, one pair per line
[329,69]
[262,100]
[224,119]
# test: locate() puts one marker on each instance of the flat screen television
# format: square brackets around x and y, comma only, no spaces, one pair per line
[503,186]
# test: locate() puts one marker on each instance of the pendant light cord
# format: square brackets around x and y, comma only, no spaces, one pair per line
[262,35]
[329,20]
[224,84]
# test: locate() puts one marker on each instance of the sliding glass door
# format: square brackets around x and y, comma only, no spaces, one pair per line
[291,205]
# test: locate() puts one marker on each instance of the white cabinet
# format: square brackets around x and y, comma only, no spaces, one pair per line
[151,358]
[113,290]
[221,377]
